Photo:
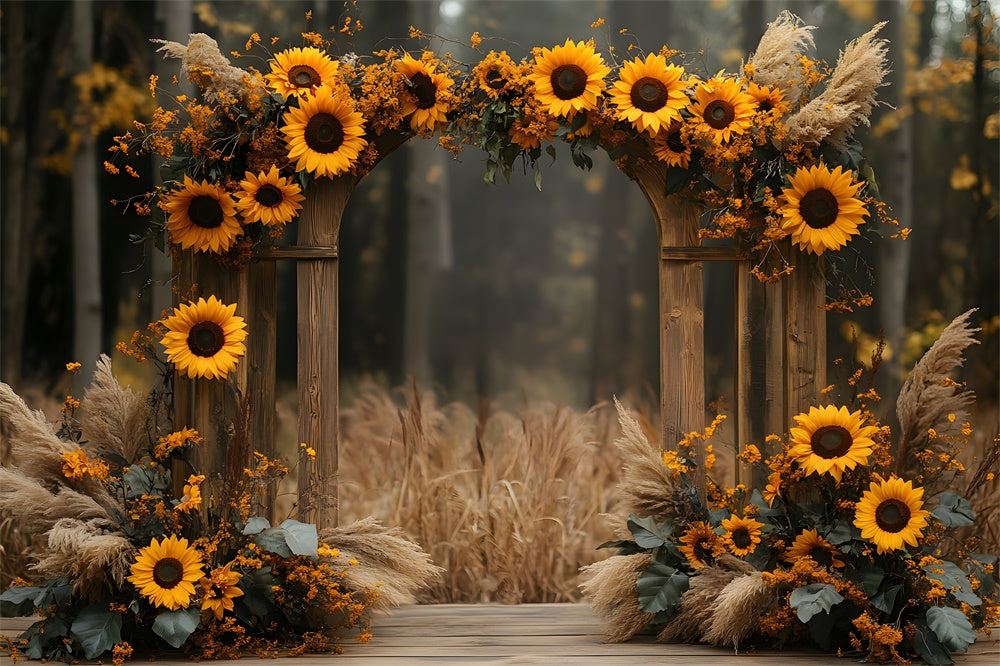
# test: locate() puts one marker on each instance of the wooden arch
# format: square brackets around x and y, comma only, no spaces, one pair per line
[779,340]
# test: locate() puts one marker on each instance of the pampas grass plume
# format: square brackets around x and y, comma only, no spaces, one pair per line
[774,63]
[115,418]
[737,609]
[610,587]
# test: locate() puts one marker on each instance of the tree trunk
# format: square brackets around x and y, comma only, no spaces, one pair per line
[87,338]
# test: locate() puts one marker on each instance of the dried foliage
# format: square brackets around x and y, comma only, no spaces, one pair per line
[203,62]
[737,608]
[116,418]
[610,588]
[775,62]
[929,395]
[507,503]
[849,96]
[385,559]
[697,607]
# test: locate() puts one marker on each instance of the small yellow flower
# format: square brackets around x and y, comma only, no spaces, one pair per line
[73,366]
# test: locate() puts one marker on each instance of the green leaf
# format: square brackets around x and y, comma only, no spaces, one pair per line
[927,646]
[300,537]
[843,531]
[137,481]
[646,532]
[538,179]
[951,627]
[987,582]
[812,599]
[256,525]
[954,580]
[175,626]
[868,576]
[885,598]
[660,588]
[273,540]
[954,510]
[19,601]
[624,546]
[97,629]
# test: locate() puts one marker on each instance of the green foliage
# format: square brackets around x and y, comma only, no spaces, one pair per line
[951,627]
[953,510]
[175,626]
[97,629]
[812,599]
[660,588]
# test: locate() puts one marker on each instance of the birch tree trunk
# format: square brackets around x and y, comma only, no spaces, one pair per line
[87,337]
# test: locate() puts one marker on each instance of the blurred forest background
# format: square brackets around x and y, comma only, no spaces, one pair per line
[479,290]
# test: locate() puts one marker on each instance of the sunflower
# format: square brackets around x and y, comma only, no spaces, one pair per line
[820,210]
[723,108]
[201,216]
[830,440]
[569,78]
[701,544]
[269,198]
[205,338]
[767,98]
[496,74]
[773,488]
[669,146]
[889,514]
[164,572]
[811,544]
[649,94]
[423,92]
[220,589]
[324,133]
[192,493]
[300,70]
[742,534]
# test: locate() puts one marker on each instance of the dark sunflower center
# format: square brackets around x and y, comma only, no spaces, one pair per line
[268,195]
[675,143]
[819,208]
[741,538]
[324,133]
[701,550]
[719,113]
[831,441]
[764,105]
[568,81]
[168,572]
[206,339]
[821,555]
[304,76]
[205,211]
[648,94]
[494,79]
[424,90]
[892,515]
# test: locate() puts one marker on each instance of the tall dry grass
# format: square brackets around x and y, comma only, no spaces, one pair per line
[509,502]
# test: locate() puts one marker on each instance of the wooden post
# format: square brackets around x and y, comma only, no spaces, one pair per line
[262,365]
[805,331]
[210,405]
[318,371]
[682,326]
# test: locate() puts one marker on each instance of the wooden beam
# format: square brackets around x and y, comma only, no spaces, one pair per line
[805,327]
[698,253]
[262,365]
[318,358]
[297,252]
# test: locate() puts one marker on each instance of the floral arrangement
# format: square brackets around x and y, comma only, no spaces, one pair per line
[766,153]
[855,542]
[133,554]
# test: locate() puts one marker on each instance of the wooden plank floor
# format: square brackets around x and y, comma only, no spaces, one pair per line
[530,634]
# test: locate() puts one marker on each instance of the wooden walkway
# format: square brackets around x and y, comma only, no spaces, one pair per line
[551,634]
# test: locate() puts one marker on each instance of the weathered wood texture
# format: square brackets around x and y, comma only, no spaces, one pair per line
[318,359]
[556,634]
[805,331]
[262,365]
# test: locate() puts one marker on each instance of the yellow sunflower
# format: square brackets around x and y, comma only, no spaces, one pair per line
[424,91]
[496,74]
[723,108]
[324,133]
[820,210]
[204,339]
[649,94]
[192,493]
[165,572]
[766,98]
[742,534]
[269,198]
[220,589]
[773,488]
[830,440]
[810,544]
[701,544]
[669,146]
[569,78]
[889,514]
[201,216]
[300,70]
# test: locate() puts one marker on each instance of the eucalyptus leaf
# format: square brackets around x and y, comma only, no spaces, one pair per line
[256,525]
[953,510]
[273,540]
[175,626]
[660,588]
[137,482]
[843,531]
[812,599]
[954,580]
[300,537]
[951,627]
[927,646]
[646,532]
[97,629]
[885,598]
[19,601]
[867,575]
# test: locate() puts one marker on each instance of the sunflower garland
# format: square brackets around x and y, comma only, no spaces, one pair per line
[424,91]
[569,78]
[299,71]
[722,110]
[324,134]
[650,93]
[204,338]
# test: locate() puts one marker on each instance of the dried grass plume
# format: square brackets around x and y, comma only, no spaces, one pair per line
[202,61]
[115,417]
[849,96]
[737,609]
[774,63]
[611,588]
